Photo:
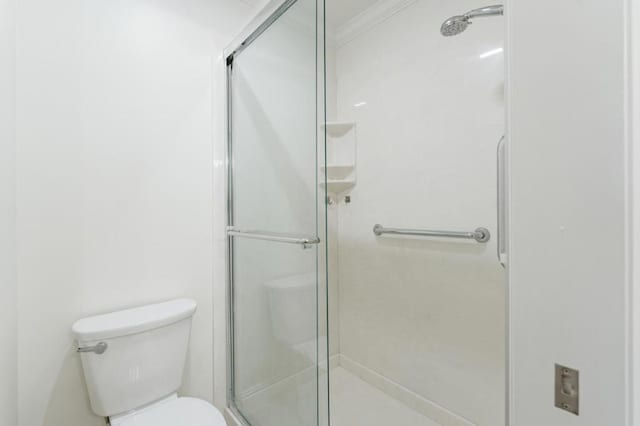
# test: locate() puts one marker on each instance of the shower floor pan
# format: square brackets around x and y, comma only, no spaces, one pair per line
[355,402]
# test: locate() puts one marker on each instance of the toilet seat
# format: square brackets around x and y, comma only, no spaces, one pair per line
[174,412]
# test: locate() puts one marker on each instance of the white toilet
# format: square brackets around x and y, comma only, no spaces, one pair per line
[133,362]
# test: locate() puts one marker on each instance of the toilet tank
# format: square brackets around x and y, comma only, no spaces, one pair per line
[292,305]
[145,355]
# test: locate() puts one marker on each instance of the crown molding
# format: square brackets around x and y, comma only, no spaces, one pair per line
[369,18]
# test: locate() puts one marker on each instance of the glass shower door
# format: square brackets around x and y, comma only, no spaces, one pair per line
[277,339]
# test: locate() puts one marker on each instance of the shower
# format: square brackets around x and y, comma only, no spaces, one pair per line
[457,24]
[332,319]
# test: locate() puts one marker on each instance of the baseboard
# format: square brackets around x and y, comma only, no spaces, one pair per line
[231,418]
[256,395]
[305,375]
[411,399]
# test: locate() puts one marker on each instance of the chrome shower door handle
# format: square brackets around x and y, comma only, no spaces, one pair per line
[502,202]
[98,349]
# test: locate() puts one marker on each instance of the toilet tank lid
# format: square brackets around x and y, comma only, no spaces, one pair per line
[132,321]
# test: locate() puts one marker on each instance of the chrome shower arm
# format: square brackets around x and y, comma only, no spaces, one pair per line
[495,10]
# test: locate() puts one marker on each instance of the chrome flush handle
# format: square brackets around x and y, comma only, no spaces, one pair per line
[98,349]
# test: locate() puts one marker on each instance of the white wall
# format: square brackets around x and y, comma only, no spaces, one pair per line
[8,312]
[428,315]
[114,117]
[568,276]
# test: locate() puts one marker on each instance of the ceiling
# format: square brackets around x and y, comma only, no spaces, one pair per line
[340,11]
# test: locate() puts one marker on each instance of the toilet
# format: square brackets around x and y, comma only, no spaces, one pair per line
[133,361]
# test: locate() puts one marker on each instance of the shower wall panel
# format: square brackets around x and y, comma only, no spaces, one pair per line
[8,286]
[426,314]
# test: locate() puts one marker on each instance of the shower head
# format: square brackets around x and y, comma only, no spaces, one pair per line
[457,24]
[454,26]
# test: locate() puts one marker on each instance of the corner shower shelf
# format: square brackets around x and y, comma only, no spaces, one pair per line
[341,154]
[338,186]
[337,129]
[338,171]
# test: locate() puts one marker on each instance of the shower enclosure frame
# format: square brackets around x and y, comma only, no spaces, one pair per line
[268,15]
[265,18]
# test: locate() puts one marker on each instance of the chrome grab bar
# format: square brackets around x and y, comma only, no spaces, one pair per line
[481,235]
[502,200]
[98,349]
[303,240]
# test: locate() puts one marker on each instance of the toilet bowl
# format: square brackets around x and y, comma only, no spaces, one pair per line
[133,362]
[172,411]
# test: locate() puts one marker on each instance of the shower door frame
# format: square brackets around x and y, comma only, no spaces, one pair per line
[265,18]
